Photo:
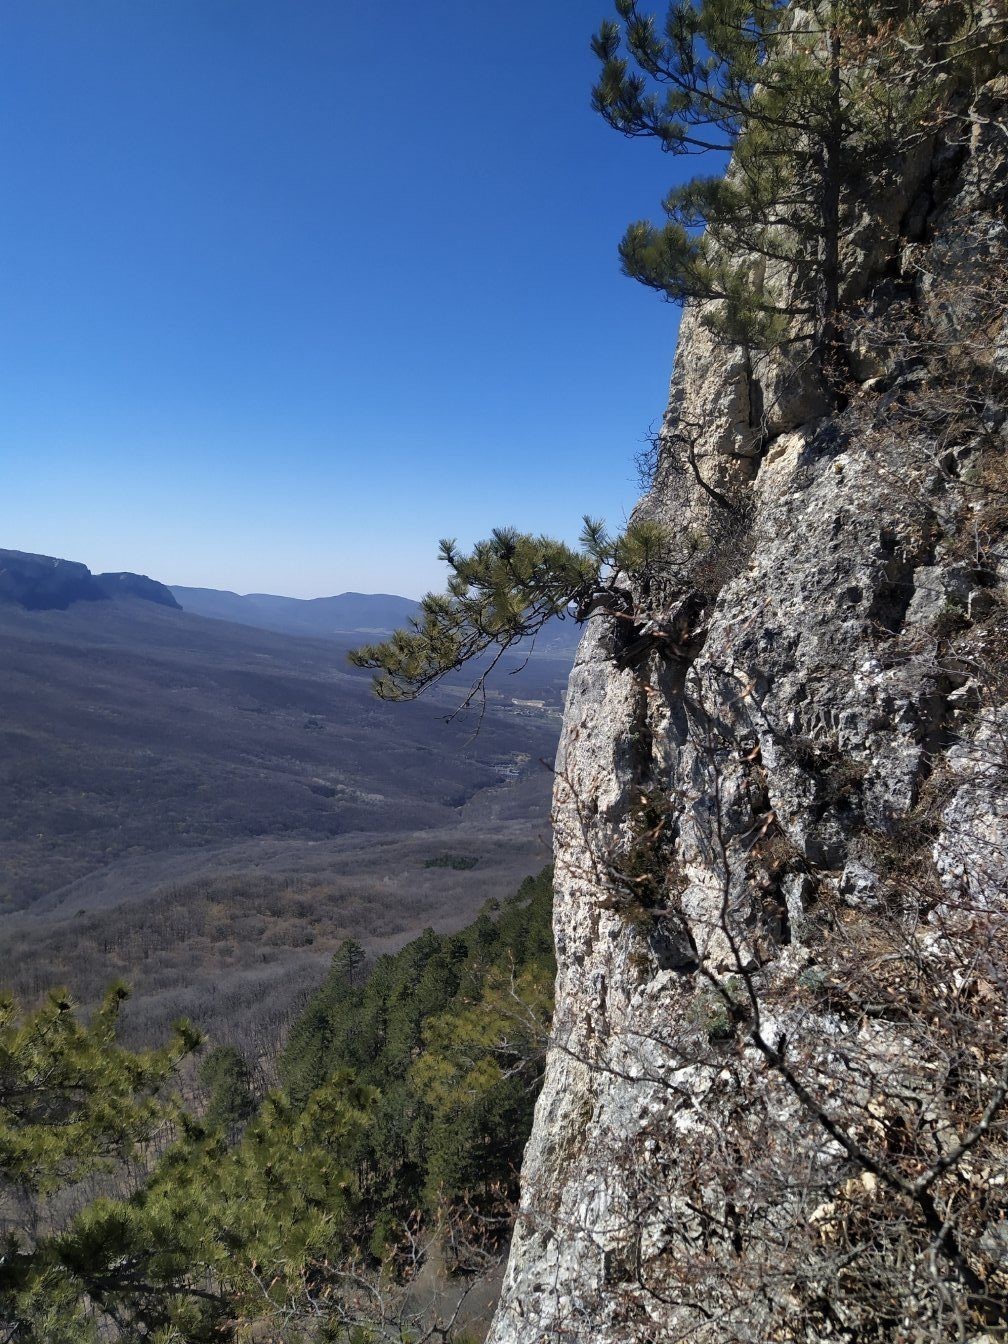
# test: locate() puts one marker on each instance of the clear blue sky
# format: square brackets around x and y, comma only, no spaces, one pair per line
[293,288]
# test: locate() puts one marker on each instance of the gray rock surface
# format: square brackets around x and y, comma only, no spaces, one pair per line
[836,715]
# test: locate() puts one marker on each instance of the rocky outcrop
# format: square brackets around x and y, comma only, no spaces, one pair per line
[782,837]
[45,583]
[137,586]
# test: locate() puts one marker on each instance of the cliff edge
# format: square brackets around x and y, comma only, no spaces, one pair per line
[772,1106]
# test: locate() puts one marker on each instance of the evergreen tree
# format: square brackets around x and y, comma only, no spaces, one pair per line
[72,1100]
[479,1072]
[449,1032]
[504,593]
[228,1083]
[808,101]
[807,105]
[198,1234]
[348,961]
[208,1242]
[73,1104]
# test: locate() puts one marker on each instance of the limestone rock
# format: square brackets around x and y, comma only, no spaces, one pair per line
[842,690]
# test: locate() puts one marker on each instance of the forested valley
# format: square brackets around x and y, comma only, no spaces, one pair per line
[155,1195]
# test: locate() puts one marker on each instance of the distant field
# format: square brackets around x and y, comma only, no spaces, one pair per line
[206,809]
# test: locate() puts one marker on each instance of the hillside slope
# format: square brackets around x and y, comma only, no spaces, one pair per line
[353,617]
[206,809]
[321,617]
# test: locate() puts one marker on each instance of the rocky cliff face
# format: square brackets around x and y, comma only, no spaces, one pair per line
[782,836]
[126,585]
[46,583]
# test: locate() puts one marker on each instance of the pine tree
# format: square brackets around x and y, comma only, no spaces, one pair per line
[807,105]
[72,1100]
[807,101]
[73,1104]
[228,1083]
[193,1245]
[503,594]
[348,961]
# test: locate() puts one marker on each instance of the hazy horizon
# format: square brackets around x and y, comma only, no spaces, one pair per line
[311,597]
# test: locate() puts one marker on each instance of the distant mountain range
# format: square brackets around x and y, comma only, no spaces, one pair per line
[318,616]
[207,809]
[357,614]
[46,583]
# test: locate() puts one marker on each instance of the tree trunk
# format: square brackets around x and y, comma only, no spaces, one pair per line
[830,350]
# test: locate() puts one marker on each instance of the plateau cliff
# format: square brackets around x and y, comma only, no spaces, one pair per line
[46,583]
[774,1099]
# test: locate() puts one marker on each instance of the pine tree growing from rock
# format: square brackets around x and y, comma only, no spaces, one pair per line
[810,102]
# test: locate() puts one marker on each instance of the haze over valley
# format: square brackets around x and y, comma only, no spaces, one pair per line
[207,808]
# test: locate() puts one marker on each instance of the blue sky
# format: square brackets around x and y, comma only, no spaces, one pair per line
[293,288]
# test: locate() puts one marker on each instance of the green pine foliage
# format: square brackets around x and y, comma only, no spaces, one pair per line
[75,1107]
[478,1073]
[502,594]
[461,863]
[192,1236]
[218,1239]
[450,1033]
[409,1099]
[801,111]
[811,104]
[225,1076]
[72,1100]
